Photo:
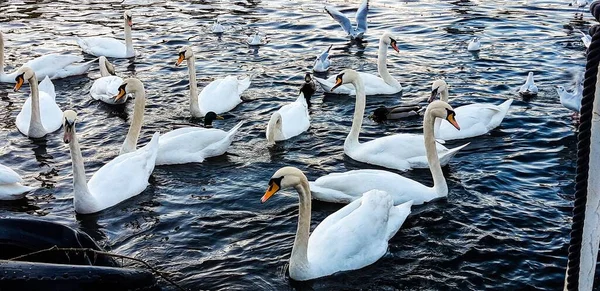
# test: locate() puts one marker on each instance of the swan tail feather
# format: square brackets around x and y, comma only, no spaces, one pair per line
[47,86]
[447,156]
[234,129]
[398,215]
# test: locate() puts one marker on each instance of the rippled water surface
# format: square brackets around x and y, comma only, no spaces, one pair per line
[505,222]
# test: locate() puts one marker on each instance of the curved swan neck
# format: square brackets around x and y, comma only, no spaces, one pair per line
[80,187]
[439,182]
[128,40]
[274,127]
[130,143]
[103,69]
[299,256]
[444,95]
[382,65]
[36,129]
[359,110]
[194,107]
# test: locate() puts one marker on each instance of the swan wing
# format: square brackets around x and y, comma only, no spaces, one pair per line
[47,87]
[125,176]
[340,18]
[348,186]
[106,88]
[103,46]
[13,191]
[354,236]
[219,96]
[328,83]
[474,119]
[361,18]
[50,114]
[52,65]
[8,176]
[294,117]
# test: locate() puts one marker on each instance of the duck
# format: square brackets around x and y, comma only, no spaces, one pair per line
[40,114]
[384,85]
[399,151]
[53,66]
[118,180]
[475,119]
[108,46]
[322,62]
[290,120]
[364,227]
[349,186]
[308,88]
[529,88]
[11,184]
[255,40]
[382,114]
[586,39]
[183,145]
[355,33]
[217,27]
[107,86]
[220,96]
[474,45]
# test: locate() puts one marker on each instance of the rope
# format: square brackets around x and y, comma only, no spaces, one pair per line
[583,152]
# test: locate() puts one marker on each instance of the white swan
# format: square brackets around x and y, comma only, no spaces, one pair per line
[220,96]
[474,119]
[399,151]
[353,237]
[10,184]
[217,27]
[322,62]
[290,120]
[54,66]
[374,85]
[183,145]
[529,88]
[474,45]
[40,114]
[106,87]
[349,186]
[118,180]
[108,46]
[357,32]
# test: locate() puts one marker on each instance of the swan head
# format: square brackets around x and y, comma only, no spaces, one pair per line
[24,73]
[209,118]
[130,85]
[389,39]
[285,177]
[344,77]
[441,109]
[69,117]
[437,88]
[185,53]
[127,17]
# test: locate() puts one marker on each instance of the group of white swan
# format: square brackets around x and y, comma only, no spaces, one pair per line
[379,201]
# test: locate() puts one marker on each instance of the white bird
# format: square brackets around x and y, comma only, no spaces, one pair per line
[474,44]
[361,20]
[571,101]
[322,62]
[11,187]
[40,114]
[353,237]
[290,120]
[183,145]
[108,46]
[474,119]
[529,88]
[106,87]
[349,186]
[220,96]
[586,39]
[383,85]
[578,3]
[217,27]
[54,66]
[399,151]
[118,180]
[255,40]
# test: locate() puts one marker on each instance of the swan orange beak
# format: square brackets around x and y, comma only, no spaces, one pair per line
[273,188]
[180,59]
[451,118]
[395,47]
[338,82]
[20,81]
[121,93]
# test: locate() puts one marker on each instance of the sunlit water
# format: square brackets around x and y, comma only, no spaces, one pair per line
[505,224]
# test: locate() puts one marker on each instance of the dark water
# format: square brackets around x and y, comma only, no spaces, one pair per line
[505,222]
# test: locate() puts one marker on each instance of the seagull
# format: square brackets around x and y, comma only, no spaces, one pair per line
[474,44]
[322,62]
[529,88]
[357,32]
[586,38]
[255,40]
[217,27]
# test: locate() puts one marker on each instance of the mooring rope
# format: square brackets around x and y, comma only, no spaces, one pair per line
[583,152]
